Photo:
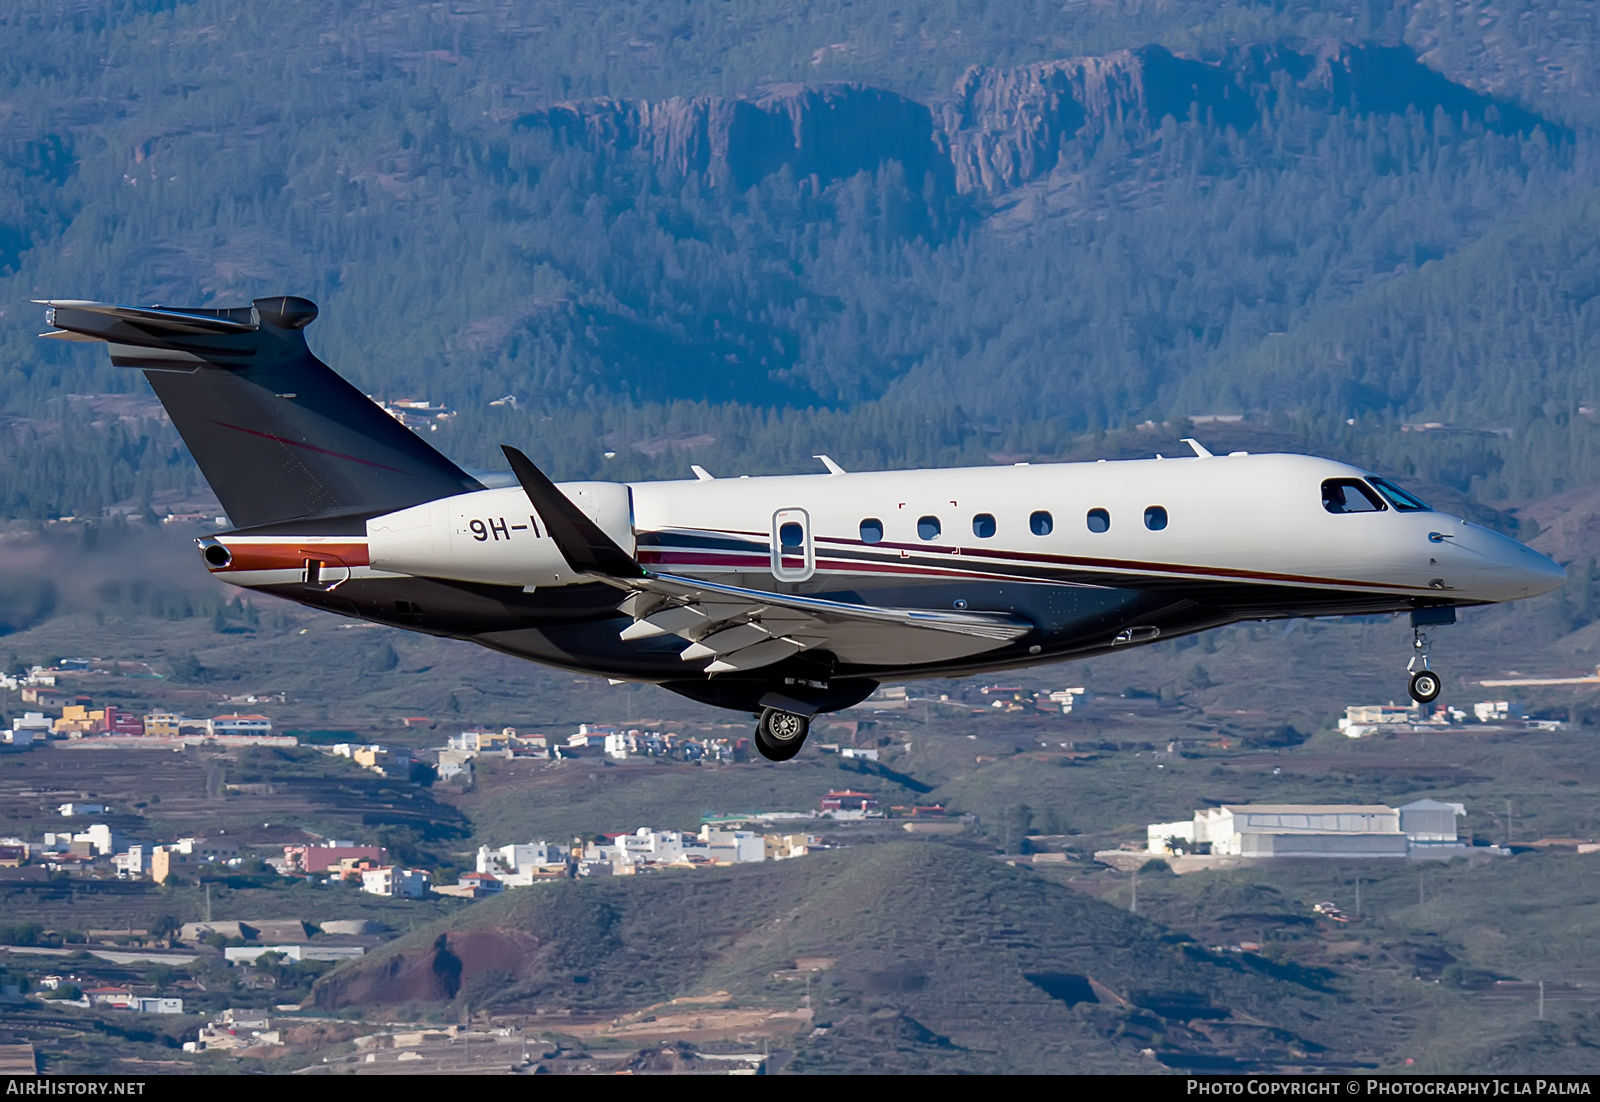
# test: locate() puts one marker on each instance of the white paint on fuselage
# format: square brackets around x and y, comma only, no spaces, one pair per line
[1240,518]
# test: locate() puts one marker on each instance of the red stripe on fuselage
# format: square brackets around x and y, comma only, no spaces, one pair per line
[1046,562]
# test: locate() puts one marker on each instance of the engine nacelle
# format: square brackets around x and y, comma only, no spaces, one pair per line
[493,536]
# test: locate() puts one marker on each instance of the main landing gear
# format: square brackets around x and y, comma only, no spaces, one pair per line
[1425,684]
[780,734]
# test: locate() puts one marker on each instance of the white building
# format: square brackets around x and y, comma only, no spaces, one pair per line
[728,847]
[659,846]
[133,864]
[101,838]
[645,847]
[1429,823]
[396,881]
[235,1028]
[27,728]
[1490,711]
[1423,828]
[456,763]
[249,954]
[782,847]
[139,1004]
[71,810]
[240,725]
[1361,720]
[483,742]
[1170,839]
[159,1005]
[1068,697]
[1287,830]
[517,866]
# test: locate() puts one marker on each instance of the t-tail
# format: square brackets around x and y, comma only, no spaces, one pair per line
[277,434]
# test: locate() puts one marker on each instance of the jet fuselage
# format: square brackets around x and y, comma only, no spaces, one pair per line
[1094,556]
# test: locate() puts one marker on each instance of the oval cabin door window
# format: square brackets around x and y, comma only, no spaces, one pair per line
[793,559]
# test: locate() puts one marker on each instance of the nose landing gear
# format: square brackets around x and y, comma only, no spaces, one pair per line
[780,734]
[1425,685]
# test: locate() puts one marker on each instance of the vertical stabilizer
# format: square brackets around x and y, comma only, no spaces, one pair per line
[278,435]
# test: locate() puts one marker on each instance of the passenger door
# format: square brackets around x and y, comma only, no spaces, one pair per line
[793,559]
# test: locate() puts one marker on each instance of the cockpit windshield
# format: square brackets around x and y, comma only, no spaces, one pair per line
[1406,503]
[1350,495]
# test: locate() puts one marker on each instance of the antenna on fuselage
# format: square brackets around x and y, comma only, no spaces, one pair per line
[833,468]
[1200,450]
[701,473]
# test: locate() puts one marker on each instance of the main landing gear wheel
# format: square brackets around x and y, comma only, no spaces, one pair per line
[779,734]
[1425,686]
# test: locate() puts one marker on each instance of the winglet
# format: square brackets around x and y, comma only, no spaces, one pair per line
[1199,449]
[581,542]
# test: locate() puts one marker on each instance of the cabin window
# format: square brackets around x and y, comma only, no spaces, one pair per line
[1155,518]
[1099,520]
[871,530]
[1040,523]
[928,528]
[1404,502]
[1350,495]
[791,535]
[983,526]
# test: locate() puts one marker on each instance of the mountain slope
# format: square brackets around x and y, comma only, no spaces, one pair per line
[918,239]
[963,963]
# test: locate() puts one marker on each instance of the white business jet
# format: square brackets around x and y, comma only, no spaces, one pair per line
[782,596]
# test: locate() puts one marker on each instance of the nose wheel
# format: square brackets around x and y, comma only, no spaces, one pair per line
[1425,684]
[780,734]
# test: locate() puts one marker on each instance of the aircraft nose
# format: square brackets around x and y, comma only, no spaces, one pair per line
[1518,570]
[1540,572]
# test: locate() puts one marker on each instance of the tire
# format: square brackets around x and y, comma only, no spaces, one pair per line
[780,735]
[1425,686]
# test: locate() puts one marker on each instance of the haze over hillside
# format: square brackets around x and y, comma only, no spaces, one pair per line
[935,236]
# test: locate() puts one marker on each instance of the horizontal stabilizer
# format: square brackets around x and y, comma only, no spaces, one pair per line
[138,324]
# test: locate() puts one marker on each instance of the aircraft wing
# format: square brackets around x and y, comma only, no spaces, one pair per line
[745,629]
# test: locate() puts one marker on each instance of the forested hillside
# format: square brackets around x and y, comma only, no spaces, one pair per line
[739,234]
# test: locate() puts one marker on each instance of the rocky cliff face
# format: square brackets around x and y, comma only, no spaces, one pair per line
[1007,126]
[1004,127]
[829,131]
